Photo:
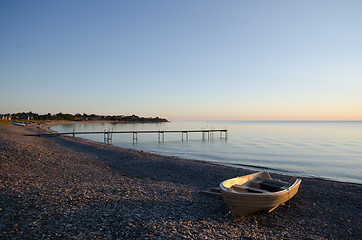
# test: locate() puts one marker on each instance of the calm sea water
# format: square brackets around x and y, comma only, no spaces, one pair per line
[330,150]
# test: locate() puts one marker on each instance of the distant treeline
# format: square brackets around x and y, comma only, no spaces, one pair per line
[83,117]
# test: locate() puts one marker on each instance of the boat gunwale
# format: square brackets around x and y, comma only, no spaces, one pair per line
[231,191]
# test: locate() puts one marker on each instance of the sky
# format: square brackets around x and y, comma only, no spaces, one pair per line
[183,60]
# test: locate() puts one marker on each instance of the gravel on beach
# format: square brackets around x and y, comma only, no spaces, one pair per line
[63,188]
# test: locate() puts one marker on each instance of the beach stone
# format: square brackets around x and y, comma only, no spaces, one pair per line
[62,188]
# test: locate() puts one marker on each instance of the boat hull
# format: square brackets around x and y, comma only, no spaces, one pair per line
[19,124]
[244,202]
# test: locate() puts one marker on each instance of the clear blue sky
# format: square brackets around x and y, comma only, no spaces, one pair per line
[209,60]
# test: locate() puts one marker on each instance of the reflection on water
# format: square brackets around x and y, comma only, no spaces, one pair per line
[330,150]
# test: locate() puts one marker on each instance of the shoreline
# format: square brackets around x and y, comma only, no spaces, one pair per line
[64,187]
[234,165]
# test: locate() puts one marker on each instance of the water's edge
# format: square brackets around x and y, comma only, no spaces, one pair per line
[191,150]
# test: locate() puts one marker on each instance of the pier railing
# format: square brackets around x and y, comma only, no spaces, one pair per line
[206,134]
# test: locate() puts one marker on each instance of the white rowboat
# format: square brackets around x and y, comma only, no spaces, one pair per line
[256,192]
[19,124]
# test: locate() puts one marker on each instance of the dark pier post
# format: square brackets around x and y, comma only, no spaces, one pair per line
[204,132]
[186,134]
[108,136]
[225,134]
[135,136]
[159,136]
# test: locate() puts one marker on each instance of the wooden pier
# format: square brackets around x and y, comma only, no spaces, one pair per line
[206,134]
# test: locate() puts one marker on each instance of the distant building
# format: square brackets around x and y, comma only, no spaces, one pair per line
[5,117]
[26,117]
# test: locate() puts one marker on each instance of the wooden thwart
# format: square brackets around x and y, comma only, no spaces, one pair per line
[242,188]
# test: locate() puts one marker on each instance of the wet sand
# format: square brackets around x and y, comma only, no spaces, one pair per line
[63,187]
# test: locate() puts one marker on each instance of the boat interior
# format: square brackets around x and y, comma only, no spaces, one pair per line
[262,185]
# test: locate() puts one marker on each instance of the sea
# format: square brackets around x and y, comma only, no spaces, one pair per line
[327,150]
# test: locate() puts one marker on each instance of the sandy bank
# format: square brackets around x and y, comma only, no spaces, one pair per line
[62,187]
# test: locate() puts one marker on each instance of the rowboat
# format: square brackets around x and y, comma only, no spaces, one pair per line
[19,124]
[256,192]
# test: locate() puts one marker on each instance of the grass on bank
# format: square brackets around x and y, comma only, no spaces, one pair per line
[4,122]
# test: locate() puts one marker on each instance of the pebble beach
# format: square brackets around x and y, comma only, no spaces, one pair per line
[71,188]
